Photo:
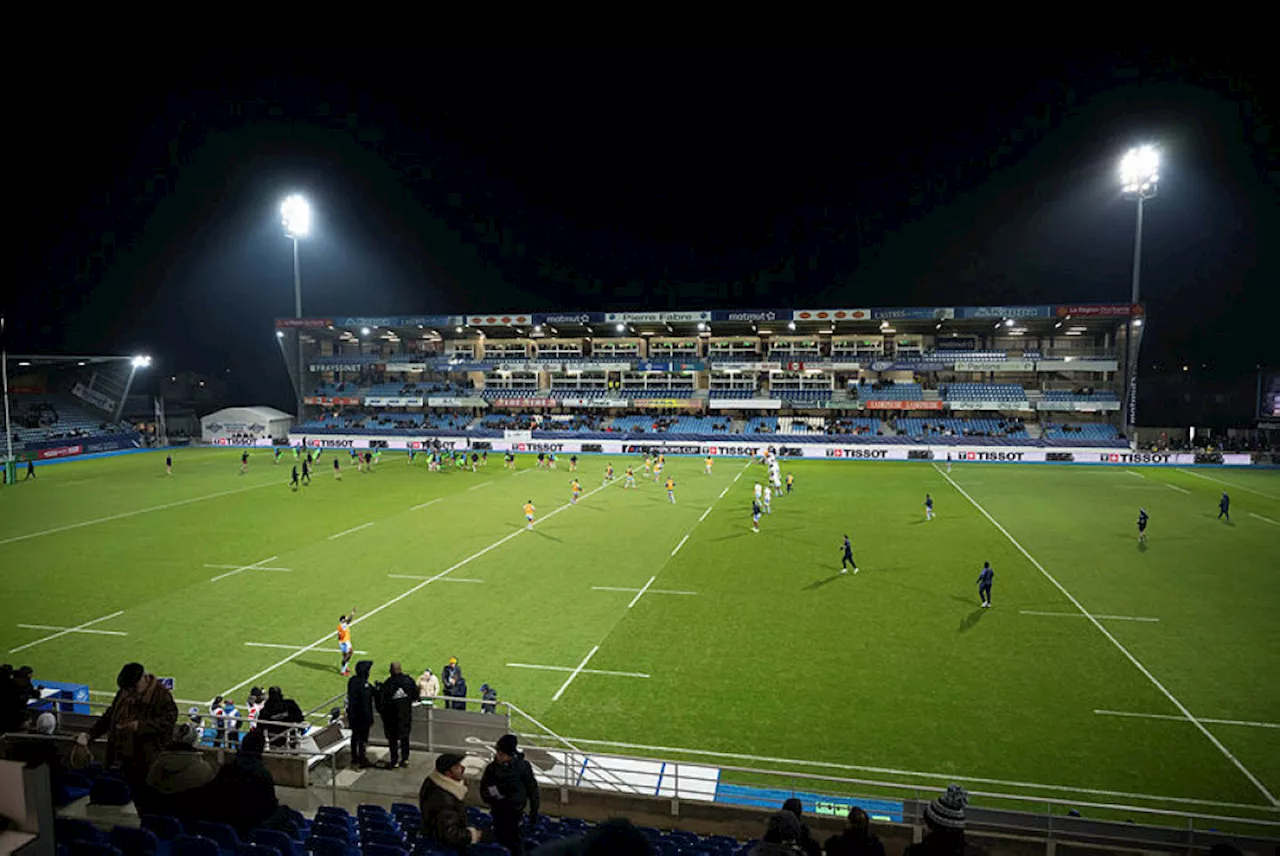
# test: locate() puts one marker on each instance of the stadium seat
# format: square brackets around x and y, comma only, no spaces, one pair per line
[194,845]
[257,850]
[221,834]
[277,840]
[137,841]
[166,828]
[323,845]
[92,848]
[69,829]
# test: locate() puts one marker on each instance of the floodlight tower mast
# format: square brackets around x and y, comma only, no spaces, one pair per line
[8,428]
[1140,179]
[296,213]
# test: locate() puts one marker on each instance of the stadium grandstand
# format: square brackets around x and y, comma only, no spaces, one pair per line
[1030,376]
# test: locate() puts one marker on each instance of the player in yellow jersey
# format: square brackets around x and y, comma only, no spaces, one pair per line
[344,641]
[706,468]
[648,465]
[631,478]
[608,474]
[671,489]
[575,491]
[657,470]
[528,514]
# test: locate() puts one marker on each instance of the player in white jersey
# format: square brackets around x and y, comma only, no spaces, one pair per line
[759,491]
[768,501]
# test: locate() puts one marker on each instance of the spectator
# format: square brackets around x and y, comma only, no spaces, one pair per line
[459,693]
[428,687]
[944,818]
[360,712]
[282,710]
[444,814]
[137,725]
[781,836]
[13,709]
[857,838]
[490,696]
[808,843]
[177,774]
[616,837]
[452,671]
[395,702]
[243,794]
[508,784]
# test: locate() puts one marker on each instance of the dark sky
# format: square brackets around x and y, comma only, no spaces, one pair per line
[149,202]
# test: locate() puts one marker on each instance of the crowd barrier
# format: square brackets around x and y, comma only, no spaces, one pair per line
[748,449]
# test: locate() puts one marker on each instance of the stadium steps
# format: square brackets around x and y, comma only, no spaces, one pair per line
[932,395]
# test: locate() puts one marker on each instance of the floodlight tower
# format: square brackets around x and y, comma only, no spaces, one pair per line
[296,214]
[138,362]
[1139,179]
[6,476]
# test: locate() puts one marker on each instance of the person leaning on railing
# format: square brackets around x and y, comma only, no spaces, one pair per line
[137,725]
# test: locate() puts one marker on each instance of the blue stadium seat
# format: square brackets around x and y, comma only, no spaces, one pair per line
[165,827]
[277,840]
[194,845]
[137,841]
[69,829]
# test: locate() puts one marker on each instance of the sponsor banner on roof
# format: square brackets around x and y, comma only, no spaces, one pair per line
[656,317]
[568,318]
[303,323]
[524,402]
[914,313]
[752,315]
[596,403]
[956,343]
[995,366]
[499,320]
[745,404]
[518,436]
[406,367]
[833,315]
[1002,312]
[393,401]
[903,405]
[398,321]
[340,367]
[1100,310]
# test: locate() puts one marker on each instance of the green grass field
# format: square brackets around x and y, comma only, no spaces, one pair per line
[894,674]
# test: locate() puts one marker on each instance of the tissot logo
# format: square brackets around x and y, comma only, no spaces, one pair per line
[539,447]
[865,454]
[1134,458]
[992,456]
[335,444]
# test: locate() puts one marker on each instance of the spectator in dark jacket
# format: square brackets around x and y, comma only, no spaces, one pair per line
[138,724]
[360,712]
[944,818]
[781,836]
[857,839]
[279,709]
[243,794]
[508,784]
[395,702]
[444,814]
[459,693]
[177,775]
[616,837]
[808,843]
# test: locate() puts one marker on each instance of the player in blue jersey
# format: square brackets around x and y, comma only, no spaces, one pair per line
[755,515]
[1224,507]
[928,507]
[1142,525]
[847,558]
[984,584]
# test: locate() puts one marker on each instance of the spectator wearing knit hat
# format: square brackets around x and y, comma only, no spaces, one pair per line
[944,817]
[137,725]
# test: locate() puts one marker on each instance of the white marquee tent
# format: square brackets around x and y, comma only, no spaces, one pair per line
[245,426]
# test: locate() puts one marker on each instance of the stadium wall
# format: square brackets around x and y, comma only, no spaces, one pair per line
[829,451]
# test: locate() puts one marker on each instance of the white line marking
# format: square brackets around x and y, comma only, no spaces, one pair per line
[737,476]
[252,567]
[1257,783]
[16,538]
[286,647]
[478,486]
[640,593]
[682,540]
[61,633]
[446,580]
[1082,615]
[1181,719]
[256,568]
[1264,519]
[583,671]
[1132,473]
[634,590]
[668,750]
[428,581]
[704,514]
[1206,478]
[425,504]
[1178,489]
[352,529]
[71,629]
[525,470]
[723,492]
[575,673]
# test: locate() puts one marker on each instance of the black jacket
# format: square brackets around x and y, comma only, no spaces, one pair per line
[360,695]
[509,786]
[444,814]
[243,794]
[851,843]
[279,709]
[396,697]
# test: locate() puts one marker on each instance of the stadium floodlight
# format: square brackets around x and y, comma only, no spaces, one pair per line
[1139,178]
[621,328]
[141,362]
[791,325]
[296,214]
[364,331]
[279,334]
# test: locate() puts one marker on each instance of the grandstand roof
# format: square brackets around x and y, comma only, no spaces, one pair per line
[957,319]
[55,360]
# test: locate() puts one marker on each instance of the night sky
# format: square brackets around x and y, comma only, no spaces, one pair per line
[149,203]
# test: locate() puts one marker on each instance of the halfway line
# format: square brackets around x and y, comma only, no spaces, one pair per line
[352,529]
[1181,719]
[76,629]
[576,672]
[504,539]
[1257,783]
[640,594]
[447,579]
[16,538]
[686,537]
